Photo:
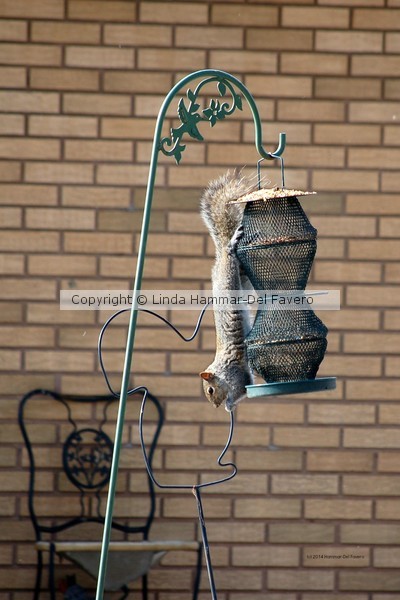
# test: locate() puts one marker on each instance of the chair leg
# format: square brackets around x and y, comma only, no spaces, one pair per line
[198,572]
[144,587]
[39,570]
[125,591]
[52,588]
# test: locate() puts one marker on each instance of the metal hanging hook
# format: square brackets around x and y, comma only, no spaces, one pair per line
[282,163]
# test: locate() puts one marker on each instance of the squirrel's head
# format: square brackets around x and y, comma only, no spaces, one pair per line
[229,389]
[216,390]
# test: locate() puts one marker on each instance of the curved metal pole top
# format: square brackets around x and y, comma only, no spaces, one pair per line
[221,77]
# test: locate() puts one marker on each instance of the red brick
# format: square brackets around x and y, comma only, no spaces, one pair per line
[392,319]
[46,360]
[171,59]
[45,264]
[11,264]
[354,319]
[229,14]
[390,182]
[345,180]
[342,413]
[38,195]
[276,556]
[345,226]
[373,389]
[125,175]
[13,77]
[310,110]
[387,509]
[126,81]
[12,336]
[382,438]
[310,436]
[211,37]
[49,172]
[278,39]
[88,242]
[318,17]
[95,196]
[31,241]
[10,171]
[10,217]
[388,461]
[10,360]
[27,102]
[101,10]
[347,271]
[374,533]
[369,343]
[356,296]
[62,126]
[120,266]
[370,112]
[384,158]
[138,35]
[367,204]
[63,32]
[309,533]
[376,19]
[270,508]
[30,54]
[304,484]
[349,41]
[64,79]
[98,151]
[12,124]
[338,509]
[45,312]
[343,87]
[305,63]
[92,57]
[391,90]
[330,460]
[11,147]
[102,104]
[284,579]
[174,12]
[14,31]
[47,9]
[353,3]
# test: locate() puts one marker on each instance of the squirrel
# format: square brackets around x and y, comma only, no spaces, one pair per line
[226,378]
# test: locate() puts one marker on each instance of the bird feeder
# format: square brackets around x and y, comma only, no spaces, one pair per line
[285,346]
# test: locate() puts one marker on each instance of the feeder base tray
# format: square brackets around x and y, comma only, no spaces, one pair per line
[281,388]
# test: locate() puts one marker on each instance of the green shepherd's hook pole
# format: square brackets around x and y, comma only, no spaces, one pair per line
[172,146]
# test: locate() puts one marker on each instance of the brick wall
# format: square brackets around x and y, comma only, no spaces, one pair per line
[81,84]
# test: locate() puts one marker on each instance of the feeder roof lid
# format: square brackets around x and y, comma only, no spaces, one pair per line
[271,193]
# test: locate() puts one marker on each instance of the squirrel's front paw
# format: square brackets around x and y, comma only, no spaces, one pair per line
[235,240]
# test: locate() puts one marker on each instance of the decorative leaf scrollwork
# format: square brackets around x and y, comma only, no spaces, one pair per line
[190,116]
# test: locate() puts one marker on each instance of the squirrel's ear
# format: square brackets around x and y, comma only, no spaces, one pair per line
[207,375]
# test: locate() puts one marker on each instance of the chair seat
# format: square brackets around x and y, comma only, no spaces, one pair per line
[127,561]
[139,546]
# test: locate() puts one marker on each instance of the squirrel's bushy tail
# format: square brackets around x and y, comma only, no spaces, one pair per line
[222,218]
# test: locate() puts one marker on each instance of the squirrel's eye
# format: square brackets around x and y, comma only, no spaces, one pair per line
[210,390]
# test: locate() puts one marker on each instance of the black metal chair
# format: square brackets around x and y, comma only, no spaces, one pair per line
[70,451]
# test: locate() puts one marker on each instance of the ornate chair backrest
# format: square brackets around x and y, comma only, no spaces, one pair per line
[69,452]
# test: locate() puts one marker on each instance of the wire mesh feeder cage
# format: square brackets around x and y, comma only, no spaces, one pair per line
[276,250]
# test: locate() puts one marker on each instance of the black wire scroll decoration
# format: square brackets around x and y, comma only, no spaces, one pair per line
[196,488]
